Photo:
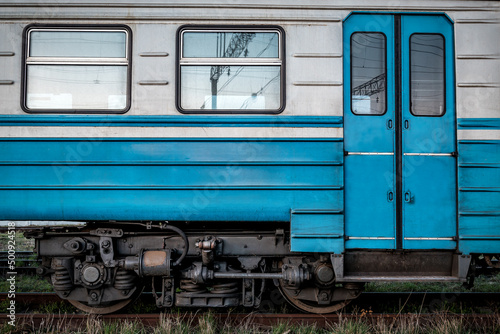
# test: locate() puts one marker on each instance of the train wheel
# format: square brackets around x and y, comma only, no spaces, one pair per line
[108,307]
[332,300]
[101,309]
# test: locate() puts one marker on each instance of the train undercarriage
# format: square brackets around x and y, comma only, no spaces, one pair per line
[102,267]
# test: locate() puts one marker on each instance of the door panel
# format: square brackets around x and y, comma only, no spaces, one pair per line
[431,131]
[400,166]
[428,133]
[369,131]
[429,217]
[370,201]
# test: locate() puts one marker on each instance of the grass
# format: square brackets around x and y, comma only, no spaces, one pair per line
[207,323]
[27,283]
[22,244]
[481,284]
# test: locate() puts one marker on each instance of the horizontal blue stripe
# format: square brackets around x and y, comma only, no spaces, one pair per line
[171,152]
[161,139]
[480,201]
[480,213]
[171,121]
[181,205]
[168,179]
[479,246]
[480,189]
[480,237]
[478,232]
[479,165]
[183,187]
[479,123]
[169,163]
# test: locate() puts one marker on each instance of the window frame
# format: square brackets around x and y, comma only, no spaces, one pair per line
[182,61]
[75,61]
[410,75]
[351,70]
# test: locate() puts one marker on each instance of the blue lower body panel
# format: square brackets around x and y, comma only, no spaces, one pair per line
[479,196]
[318,231]
[178,179]
[369,208]
[203,204]
[429,203]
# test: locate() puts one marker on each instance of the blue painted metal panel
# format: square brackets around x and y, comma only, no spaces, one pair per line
[479,177]
[479,123]
[369,133]
[480,200]
[429,181]
[430,204]
[429,134]
[369,179]
[171,121]
[317,231]
[197,179]
[262,175]
[479,153]
[479,190]
[202,204]
[370,202]
[170,151]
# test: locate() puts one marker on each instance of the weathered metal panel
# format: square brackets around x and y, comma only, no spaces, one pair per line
[479,187]
[319,231]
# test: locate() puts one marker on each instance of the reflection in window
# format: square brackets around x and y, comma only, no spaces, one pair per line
[427,75]
[230,70]
[84,70]
[230,44]
[368,73]
[246,87]
[78,44]
[76,87]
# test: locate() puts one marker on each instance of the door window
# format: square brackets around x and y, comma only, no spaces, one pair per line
[368,73]
[77,70]
[427,75]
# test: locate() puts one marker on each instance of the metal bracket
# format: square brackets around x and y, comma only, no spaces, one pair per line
[107,252]
[323,297]
[76,245]
[248,292]
[249,262]
[462,265]
[279,235]
[166,299]
[338,265]
[108,232]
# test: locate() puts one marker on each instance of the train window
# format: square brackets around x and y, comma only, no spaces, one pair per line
[368,73]
[427,75]
[77,70]
[230,70]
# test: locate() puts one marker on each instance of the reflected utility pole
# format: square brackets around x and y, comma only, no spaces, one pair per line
[237,45]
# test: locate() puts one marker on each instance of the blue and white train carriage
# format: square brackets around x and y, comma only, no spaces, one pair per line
[216,145]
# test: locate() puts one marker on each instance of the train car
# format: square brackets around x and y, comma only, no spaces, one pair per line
[216,148]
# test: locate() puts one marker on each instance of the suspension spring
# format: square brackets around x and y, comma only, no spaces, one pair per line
[189,286]
[61,279]
[224,288]
[124,280]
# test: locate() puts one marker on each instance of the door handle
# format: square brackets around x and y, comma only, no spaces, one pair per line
[407,124]
[390,196]
[408,196]
[389,124]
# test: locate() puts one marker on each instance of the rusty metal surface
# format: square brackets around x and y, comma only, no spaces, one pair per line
[367,300]
[154,258]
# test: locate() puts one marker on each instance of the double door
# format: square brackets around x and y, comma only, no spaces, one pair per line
[399,132]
